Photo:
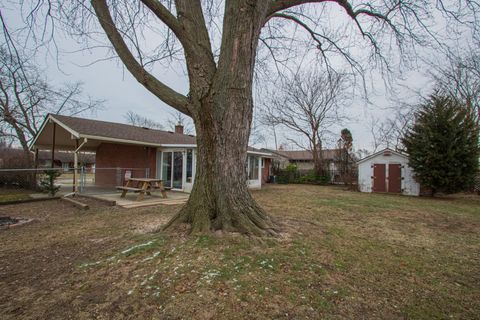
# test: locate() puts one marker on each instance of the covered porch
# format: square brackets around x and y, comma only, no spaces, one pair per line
[123,152]
[118,159]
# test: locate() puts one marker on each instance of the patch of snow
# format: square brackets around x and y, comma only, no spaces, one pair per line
[138,246]
[156,254]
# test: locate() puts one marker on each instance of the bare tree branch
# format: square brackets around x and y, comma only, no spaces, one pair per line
[137,120]
[162,91]
[26,97]
[310,104]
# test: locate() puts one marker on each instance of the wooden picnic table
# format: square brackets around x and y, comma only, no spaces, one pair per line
[142,186]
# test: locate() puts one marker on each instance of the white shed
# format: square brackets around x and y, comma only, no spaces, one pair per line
[387,171]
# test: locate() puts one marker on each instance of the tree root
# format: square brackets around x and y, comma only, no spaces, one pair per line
[252,222]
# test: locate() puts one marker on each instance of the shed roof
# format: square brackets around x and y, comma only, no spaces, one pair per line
[381,152]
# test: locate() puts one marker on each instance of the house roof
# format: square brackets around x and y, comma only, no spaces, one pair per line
[123,131]
[382,152]
[94,132]
[297,155]
[73,132]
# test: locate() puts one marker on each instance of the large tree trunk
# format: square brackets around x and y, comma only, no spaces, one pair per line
[220,103]
[317,156]
[222,108]
[220,199]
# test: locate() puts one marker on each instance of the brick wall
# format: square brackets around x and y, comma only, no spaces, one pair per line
[113,156]
[266,169]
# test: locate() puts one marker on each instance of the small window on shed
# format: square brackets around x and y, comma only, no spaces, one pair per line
[387,153]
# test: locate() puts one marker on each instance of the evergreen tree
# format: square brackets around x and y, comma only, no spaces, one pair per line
[47,183]
[443,145]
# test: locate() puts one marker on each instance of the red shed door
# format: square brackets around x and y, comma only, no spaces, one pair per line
[379,177]
[394,178]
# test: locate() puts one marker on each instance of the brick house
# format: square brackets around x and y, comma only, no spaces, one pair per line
[123,151]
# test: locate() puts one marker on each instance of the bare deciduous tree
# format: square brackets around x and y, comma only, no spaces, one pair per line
[389,132]
[309,104]
[460,78]
[26,98]
[138,120]
[179,118]
[220,64]
[362,153]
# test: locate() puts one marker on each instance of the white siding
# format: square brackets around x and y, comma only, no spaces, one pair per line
[365,173]
[257,183]
[187,187]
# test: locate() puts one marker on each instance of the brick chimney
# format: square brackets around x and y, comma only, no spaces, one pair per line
[179,128]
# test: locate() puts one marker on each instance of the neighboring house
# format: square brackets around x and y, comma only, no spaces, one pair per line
[123,151]
[13,158]
[303,159]
[65,159]
[387,171]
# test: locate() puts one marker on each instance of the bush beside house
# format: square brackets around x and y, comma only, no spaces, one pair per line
[291,174]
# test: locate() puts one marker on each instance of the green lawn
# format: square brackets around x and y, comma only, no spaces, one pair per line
[342,255]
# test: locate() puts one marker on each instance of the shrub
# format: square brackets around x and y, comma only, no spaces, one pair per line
[47,183]
[292,175]
[312,178]
[443,145]
[288,175]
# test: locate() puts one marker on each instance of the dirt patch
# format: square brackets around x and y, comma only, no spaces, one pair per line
[9,222]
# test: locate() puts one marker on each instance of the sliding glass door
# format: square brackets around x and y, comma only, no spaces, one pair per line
[177,170]
[167,169]
[172,169]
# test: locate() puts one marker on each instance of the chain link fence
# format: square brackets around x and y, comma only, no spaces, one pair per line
[87,180]
[336,177]
[105,180]
[346,178]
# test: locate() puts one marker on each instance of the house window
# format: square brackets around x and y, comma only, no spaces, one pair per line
[263,162]
[189,165]
[252,168]
[66,166]
[167,169]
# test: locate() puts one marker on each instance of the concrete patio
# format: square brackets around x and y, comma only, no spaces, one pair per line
[130,200]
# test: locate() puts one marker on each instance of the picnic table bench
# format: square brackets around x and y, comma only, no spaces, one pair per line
[142,186]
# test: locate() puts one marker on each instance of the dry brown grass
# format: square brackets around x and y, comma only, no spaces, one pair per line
[342,255]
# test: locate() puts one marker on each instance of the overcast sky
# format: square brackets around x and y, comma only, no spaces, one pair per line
[108,80]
